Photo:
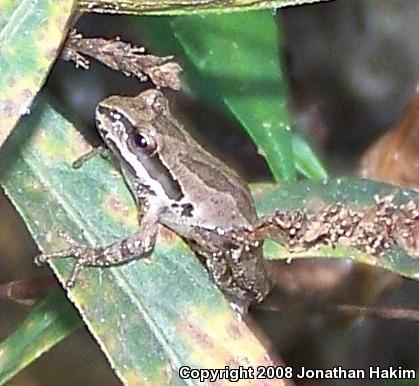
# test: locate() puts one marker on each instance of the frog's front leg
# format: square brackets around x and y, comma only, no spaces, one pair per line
[104,152]
[133,247]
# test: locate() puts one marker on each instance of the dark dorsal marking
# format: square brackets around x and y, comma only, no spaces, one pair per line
[187,210]
[158,171]
[216,179]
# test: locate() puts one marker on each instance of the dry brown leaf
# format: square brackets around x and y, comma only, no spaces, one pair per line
[394,157]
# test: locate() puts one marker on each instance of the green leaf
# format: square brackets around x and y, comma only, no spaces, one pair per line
[240,54]
[353,192]
[30,35]
[50,322]
[238,69]
[149,318]
[306,161]
[176,7]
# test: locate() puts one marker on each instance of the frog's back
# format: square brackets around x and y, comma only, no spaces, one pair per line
[213,194]
[199,189]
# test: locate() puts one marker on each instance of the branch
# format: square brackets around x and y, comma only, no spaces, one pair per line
[124,57]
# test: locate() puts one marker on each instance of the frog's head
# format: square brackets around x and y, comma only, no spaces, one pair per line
[131,128]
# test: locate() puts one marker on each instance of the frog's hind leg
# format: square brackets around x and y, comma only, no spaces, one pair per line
[137,246]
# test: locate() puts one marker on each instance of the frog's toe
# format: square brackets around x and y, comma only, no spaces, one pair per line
[41,259]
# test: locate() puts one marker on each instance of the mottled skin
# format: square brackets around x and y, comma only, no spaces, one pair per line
[179,184]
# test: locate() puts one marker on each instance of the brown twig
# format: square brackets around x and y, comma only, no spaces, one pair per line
[124,57]
[28,291]
[407,314]
[296,304]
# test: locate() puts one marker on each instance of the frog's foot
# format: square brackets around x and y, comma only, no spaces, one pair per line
[43,258]
[136,246]
[240,309]
[83,254]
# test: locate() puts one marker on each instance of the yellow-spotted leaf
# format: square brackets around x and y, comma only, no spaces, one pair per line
[31,32]
[150,318]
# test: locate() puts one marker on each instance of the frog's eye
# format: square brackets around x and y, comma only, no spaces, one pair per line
[143,143]
[140,141]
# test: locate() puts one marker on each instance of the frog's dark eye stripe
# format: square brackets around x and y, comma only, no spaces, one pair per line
[144,148]
[116,116]
[158,171]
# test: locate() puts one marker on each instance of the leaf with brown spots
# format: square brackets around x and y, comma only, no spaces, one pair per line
[30,35]
[389,214]
[149,318]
